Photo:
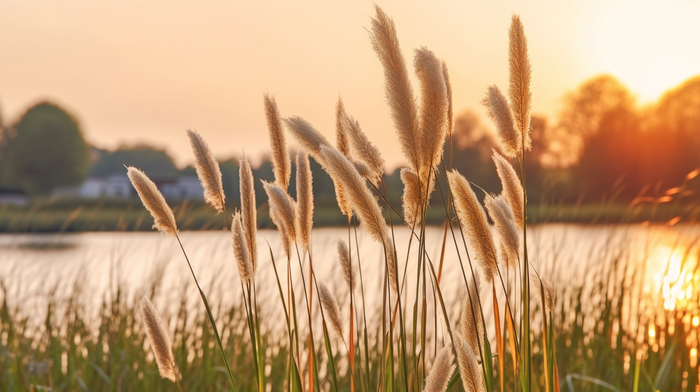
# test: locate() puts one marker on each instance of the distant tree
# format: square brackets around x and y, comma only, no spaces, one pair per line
[44,149]
[581,114]
[154,161]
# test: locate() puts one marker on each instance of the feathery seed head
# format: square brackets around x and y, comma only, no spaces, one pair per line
[282,213]
[160,340]
[249,212]
[305,199]
[411,196]
[208,171]
[307,136]
[281,164]
[240,249]
[469,369]
[512,188]
[364,150]
[363,203]
[506,229]
[520,75]
[440,374]
[341,139]
[470,326]
[473,219]
[432,124]
[344,257]
[153,200]
[399,92]
[498,110]
[448,91]
[331,309]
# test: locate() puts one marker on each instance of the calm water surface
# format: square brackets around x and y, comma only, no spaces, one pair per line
[661,259]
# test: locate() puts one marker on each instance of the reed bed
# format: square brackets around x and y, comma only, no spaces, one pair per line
[513,333]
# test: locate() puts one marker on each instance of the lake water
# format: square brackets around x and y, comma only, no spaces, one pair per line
[662,260]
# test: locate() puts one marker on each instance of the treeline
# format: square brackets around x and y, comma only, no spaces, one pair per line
[602,146]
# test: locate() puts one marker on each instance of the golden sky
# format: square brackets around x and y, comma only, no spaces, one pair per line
[144,71]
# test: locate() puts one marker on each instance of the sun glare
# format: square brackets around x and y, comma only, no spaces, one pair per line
[645,45]
[674,276]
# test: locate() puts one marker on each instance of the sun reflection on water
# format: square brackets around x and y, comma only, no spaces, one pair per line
[676,278]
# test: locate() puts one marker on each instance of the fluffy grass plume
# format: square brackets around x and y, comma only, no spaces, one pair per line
[469,369]
[153,200]
[498,110]
[361,199]
[305,199]
[331,309]
[363,149]
[506,229]
[473,219]
[208,171]
[282,213]
[448,91]
[512,188]
[471,329]
[363,203]
[520,76]
[160,340]
[433,111]
[341,139]
[240,249]
[411,197]
[249,213]
[281,164]
[307,136]
[344,257]
[440,374]
[399,92]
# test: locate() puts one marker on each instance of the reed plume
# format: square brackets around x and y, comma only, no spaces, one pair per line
[240,249]
[505,227]
[433,111]
[399,92]
[364,150]
[520,75]
[281,164]
[332,311]
[249,212]
[471,328]
[282,213]
[469,369]
[305,199]
[440,374]
[153,200]
[473,219]
[341,139]
[363,203]
[344,257]
[549,298]
[208,171]
[362,170]
[512,188]
[498,110]
[307,136]
[448,92]
[411,197]
[160,341]
[342,200]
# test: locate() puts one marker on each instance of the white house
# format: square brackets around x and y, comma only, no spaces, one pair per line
[119,186]
[183,188]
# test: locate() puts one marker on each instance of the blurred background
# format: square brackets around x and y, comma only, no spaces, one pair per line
[87,87]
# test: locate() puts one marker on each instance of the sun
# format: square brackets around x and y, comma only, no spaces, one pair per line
[649,46]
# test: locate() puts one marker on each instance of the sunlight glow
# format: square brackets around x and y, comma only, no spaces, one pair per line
[644,44]
[674,276]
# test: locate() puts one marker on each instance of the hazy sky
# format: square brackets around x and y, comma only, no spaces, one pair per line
[144,71]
